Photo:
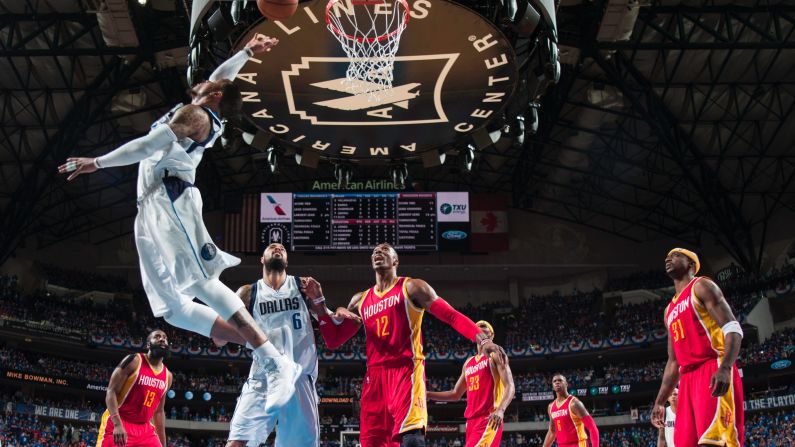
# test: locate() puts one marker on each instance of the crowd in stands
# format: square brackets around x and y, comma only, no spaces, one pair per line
[780,345]
[553,319]
[763,429]
[770,429]
[550,320]
[31,431]
[635,436]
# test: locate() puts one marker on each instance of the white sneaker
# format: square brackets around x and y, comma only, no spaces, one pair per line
[281,374]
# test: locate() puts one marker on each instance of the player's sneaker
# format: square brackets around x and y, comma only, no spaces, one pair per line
[280,374]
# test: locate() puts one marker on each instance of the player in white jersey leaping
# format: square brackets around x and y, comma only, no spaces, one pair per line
[177,256]
[280,307]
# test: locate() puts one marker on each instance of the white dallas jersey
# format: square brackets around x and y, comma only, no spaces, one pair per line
[670,420]
[283,316]
[180,159]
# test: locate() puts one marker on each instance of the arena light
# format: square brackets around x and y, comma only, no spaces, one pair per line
[272,159]
[469,157]
[531,118]
[520,129]
[399,172]
[343,173]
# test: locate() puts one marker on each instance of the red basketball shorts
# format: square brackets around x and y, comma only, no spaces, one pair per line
[703,419]
[138,435]
[479,434]
[393,402]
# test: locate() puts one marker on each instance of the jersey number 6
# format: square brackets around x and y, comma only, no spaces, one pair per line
[297,325]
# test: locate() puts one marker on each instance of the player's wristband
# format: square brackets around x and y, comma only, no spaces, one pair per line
[319,300]
[96,163]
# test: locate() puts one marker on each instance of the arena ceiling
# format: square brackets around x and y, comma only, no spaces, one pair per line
[679,126]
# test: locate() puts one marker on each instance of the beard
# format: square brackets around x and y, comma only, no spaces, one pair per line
[159,352]
[276,264]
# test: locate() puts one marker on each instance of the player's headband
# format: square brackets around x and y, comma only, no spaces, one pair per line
[487,324]
[690,255]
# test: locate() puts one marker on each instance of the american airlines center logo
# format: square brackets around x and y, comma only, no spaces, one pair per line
[454,72]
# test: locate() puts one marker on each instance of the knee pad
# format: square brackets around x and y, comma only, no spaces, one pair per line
[193,317]
[413,438]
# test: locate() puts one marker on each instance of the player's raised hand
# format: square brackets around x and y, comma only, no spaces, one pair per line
[119,435]
[343,312]
[77,166]
[311,288]
[658,416]
[261,43]
[495,352]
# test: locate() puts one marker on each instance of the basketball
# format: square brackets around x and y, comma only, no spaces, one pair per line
[277,9]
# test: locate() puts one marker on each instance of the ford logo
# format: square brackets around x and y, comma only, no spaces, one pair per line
[781,364]
[454,235]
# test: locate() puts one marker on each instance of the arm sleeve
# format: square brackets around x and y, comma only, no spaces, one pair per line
[232,66]
[442,310]
[593,432]
[136,150]
[336,334]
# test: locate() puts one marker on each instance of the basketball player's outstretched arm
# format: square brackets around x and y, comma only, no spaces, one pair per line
[669,381]
[453,395]
[189,121]
[423,296]
[661,437]
[232,66]
[159,418]
[335,327]
[580,411]
[120,375]
[710,294]
[506,377]
[550,437]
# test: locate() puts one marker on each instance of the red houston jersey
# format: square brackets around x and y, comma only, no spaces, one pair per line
[484,387]
[569,428]
[391,325]
[142,392]
[695,336]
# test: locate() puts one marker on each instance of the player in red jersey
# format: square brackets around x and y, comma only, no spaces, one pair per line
[703,344]
[393,402]
[135,416]
[569,419]
[489,389]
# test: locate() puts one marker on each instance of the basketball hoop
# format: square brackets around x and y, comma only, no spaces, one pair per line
[369,32]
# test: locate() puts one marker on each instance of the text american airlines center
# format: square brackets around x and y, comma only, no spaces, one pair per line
[454,72]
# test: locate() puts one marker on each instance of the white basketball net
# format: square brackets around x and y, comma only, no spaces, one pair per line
[369,32]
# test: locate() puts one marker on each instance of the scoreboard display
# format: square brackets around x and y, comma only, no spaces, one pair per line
[424,221]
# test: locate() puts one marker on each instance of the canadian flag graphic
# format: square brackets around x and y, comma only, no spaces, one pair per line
[489,222]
